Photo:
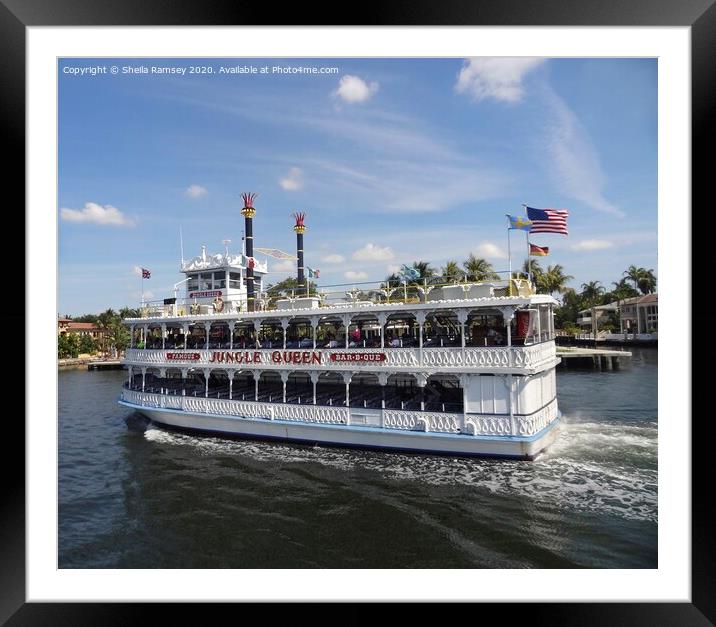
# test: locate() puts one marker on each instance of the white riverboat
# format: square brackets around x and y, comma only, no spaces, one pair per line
[460,369]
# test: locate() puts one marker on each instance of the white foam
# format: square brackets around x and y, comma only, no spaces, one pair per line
[584,470]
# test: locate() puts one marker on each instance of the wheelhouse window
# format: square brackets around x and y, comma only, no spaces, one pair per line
[193,283]
[205,281]
[219,280]
[235,280]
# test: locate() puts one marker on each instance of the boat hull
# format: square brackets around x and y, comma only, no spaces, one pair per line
[354,436]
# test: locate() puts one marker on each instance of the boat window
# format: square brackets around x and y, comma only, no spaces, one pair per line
[193,283]
[219,280]
[205,281]
[235,280]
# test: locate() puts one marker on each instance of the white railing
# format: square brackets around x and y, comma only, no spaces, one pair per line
[497,357]
[435,422]
[247,409]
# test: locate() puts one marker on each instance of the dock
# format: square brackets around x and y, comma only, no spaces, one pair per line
[598,358]
[105,365]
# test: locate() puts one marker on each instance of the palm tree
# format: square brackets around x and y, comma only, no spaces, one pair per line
[647,281]
[591,291]
[553,280]
[105,321]
[118,337]
[478,269]
[622,290]
[634,274]
[423,267]
[451,272]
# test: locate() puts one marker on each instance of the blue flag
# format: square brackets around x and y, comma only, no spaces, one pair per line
[410,273]
[519,222]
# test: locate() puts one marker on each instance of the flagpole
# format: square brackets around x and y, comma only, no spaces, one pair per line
[142,287]
[527,240]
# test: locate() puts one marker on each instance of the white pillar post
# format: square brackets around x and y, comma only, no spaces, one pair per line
[129,379]
[284,326]
[346,324]
[184,372]
[382,319]
[257,331]
[207,374]
[383,381]
[314,327]
[131,336]
[232,325]
[314,379]
[347,376]
[284,379]
[164,333]
[145,328]
[422,380]
[231,383]
[539,323]
[507,314]
[462,319]
[257,376]
[420,317]
[185,328]
[144,374]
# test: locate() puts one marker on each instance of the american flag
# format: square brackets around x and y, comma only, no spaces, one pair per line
[146,273]
[548,220]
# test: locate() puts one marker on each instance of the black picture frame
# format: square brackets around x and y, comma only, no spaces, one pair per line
[17,15]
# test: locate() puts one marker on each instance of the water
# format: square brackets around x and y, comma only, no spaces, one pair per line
[132,495]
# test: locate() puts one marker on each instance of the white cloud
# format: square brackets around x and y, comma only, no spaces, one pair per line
[490,251]
[195,191]
[371,252]
[283,266]
[96,214]
[355,275]
[333,259]
[148,295]
[495,77]
[592,244]
[293,181]
[393,269]
[574,162]
[355,89]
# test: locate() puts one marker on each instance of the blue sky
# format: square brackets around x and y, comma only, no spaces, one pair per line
[393,160]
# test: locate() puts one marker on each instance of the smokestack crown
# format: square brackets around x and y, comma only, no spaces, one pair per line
[248,211]
[300,227]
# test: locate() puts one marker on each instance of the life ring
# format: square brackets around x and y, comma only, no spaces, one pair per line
[218,304]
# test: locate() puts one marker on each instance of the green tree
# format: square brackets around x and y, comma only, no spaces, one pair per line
[553,280]
[68,345]
[591,293]
[647,281]
[87,345]
[451,272]
[478,269]
[633,273]
[118,337]
[566,313]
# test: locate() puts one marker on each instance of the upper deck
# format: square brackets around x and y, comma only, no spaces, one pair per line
[488,332]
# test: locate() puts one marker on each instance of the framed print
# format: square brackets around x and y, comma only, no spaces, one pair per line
[394,159]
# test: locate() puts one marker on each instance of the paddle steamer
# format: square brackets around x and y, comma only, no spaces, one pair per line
[457,369]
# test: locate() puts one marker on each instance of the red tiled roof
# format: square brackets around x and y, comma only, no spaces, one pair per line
[83,326]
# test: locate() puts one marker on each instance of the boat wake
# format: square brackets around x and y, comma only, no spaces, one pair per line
[602,468]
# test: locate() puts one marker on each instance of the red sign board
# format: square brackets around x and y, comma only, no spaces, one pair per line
[359,357]
[183,356]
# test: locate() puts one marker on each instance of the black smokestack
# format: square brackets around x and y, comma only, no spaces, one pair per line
[300,229]
[249,212]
